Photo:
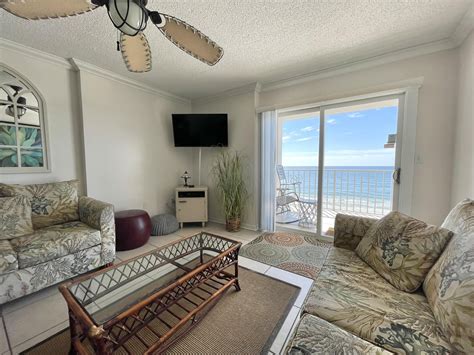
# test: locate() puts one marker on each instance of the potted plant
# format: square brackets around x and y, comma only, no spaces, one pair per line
[231,189]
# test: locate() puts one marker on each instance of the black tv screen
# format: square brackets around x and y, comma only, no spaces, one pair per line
[200,130]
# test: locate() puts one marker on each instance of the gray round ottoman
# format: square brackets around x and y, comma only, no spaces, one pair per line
[164,224]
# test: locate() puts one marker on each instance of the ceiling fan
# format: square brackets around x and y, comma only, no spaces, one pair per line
[20,100]
[130,17]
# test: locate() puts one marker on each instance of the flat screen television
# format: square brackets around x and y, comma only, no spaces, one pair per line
[200,130]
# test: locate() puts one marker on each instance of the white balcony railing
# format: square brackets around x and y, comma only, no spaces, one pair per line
[365,191]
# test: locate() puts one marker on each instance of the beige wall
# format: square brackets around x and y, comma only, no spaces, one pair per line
[463,162]
[435,124]
[130,158]
[57,85]
[242,137]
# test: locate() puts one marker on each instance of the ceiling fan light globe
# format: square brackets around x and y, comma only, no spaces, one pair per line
[127,16]
[9,111]
[20,111]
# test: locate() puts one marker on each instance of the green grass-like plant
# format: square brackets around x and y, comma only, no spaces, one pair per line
[228,171]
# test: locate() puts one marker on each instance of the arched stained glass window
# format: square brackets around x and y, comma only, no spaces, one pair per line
[22,125]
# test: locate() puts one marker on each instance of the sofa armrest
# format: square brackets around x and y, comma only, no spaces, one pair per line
[349,230]
[100,215]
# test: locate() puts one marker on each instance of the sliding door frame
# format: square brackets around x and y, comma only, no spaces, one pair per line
[406,130]
[319,209]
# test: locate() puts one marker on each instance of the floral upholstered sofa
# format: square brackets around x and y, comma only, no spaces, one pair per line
[352,309]
[48,234]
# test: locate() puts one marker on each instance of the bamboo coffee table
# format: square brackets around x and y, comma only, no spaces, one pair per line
[145,304]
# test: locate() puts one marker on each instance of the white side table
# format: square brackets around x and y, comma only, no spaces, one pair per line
[191,205]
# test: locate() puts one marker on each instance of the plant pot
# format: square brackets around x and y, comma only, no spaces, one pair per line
[232,225]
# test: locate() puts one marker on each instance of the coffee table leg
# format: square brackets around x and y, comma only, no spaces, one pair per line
[73,332]
[236,272]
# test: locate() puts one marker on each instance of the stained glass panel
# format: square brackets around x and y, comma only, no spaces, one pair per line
[4,117]
[32,158]
[4,96]
[29,137]
[8,158]
[28,116]
[7,135]
[21,120]
[29,98]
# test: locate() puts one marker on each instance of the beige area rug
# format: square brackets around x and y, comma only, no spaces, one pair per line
[301,254]
[244,322]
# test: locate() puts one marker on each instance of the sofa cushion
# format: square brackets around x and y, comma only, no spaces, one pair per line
[8,259]
[316,336]
[350,294]
[402,249]
[53,242]
[449,286]
[25,281]
[349,230]
[51,204]
[15,217]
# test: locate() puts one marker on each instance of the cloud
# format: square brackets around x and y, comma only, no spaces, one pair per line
[355,115]
[290,136]
[331,121]
[308,129]
[304,139]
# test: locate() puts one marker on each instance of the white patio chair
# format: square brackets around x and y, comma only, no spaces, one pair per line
[288,195]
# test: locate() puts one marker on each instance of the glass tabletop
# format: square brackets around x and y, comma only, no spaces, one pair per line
[109,292]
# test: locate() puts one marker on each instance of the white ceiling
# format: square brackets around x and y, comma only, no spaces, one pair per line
[263,40]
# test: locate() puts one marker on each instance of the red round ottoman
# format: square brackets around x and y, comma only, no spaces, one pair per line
[132,229]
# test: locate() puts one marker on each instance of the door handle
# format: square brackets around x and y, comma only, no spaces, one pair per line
[396,175]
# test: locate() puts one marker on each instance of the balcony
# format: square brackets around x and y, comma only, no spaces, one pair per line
[365,191]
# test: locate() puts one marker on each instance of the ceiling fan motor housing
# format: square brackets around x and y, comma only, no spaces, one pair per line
[128,16]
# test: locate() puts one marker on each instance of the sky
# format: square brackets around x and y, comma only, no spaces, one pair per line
[351,139]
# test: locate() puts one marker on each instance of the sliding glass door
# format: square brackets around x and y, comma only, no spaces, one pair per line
[297,170]
[341,158]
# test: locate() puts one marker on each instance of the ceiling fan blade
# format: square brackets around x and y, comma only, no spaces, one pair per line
[190,40]
[45,9]
[136,52]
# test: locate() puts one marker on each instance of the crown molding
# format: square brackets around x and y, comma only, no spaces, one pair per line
[335,70]
[34,53]
[80,66]
[254,87]
[361,64]
[363,93]
[464,28]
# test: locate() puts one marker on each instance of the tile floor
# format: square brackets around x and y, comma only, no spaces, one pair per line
[31,319]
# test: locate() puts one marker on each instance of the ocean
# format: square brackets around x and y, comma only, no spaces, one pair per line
[362,189]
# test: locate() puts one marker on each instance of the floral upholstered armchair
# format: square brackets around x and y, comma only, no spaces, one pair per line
[48,234]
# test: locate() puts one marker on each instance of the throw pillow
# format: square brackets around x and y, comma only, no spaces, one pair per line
[402,249]
[449,286]
[52,203]
[15,217]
